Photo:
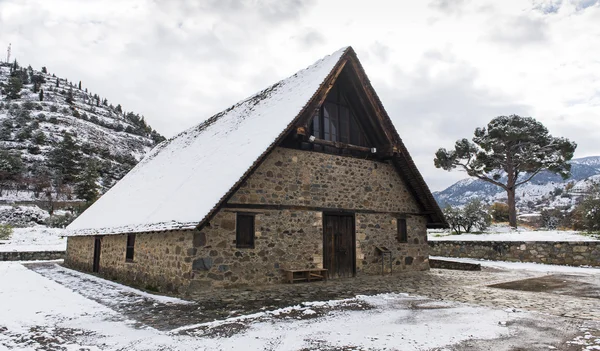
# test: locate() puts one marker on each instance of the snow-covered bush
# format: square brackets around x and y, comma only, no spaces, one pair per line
[60,221]
[587,212]
[5,231]
[22,216]
[554,218]
[473,215]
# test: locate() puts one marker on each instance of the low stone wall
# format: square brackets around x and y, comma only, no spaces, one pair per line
[32,255]
[459,266]
[572,253]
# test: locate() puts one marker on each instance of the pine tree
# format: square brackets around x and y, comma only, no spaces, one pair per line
[64,159]
[44,70]
[15,85]
[87,187]
[57,80]
[509,153]
[69,98]
[41,95]
[79,85]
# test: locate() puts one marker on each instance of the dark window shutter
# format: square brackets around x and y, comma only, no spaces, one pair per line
[402,231]
[244,231]
[130,247]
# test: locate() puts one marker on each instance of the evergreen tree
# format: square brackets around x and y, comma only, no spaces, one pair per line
[69,98]
[11,168]
[57,80]
[44,70]
[119,109]
[79,85]
[64,159]
[13,90]
[87,187]
[41,95]
[509,153]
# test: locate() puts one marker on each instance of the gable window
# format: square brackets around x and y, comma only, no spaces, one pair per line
[130,247]
[244,231]
[402,230]
[335,121]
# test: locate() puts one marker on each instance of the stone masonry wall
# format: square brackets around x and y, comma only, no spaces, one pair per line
[186,261]
[161,261]
[374,230]
[586,253]
[296,177]
[31,255]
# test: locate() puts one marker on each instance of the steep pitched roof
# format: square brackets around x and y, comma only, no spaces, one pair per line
[183,181]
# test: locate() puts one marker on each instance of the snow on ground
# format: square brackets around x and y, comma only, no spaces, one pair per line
[39,313]
[35,239]
[527,266]
[505,233]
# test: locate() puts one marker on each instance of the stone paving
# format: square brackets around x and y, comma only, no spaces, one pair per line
[461,286]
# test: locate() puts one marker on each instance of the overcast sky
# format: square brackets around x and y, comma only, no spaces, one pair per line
[441,68]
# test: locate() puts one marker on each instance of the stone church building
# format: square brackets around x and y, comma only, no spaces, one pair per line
[309,173]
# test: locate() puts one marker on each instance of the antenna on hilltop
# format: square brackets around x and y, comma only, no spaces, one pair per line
[8,54]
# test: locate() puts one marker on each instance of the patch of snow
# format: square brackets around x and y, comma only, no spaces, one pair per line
[35,239]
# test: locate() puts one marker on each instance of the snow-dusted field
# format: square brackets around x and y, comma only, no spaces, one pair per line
[39,313]
[503,233]
[35,239]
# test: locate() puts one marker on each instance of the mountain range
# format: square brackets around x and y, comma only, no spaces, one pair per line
[546,189]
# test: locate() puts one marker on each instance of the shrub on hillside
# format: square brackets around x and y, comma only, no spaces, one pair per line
[553,218]
[60,221]
[5,231]
[587,212]
[499,212]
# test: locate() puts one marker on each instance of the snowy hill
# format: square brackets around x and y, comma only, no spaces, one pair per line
[544,190]
[55,134]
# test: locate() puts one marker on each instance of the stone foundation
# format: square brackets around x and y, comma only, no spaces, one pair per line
[584,253]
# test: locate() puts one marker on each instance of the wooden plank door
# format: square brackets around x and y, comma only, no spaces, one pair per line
[339,245]
[97,250]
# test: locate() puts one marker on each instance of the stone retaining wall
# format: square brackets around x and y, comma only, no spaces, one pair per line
[32,255]
[573,253]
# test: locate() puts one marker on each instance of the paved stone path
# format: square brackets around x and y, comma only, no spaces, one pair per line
[461,286]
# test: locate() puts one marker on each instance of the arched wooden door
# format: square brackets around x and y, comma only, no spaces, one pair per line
[339,250]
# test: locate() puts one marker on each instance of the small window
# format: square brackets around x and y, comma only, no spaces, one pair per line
[130,245]
[402,232]
[244,231]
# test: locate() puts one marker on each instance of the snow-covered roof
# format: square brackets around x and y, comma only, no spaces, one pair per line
[181,180]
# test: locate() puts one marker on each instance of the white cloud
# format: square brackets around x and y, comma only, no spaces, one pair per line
[442,68]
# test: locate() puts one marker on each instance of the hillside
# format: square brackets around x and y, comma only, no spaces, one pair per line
[544,190]
[60,142]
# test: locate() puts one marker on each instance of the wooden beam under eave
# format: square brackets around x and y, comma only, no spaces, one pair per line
[339,145]
[320,96]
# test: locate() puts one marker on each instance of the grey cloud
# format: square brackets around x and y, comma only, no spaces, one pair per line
[309,38]
[432,111]
[449,7]
[518,31]
[381,51]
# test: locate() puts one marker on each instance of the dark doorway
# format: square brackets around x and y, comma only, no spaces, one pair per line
[97,250]
[339,245]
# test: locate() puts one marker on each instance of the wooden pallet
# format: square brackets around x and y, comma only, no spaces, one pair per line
[305,275]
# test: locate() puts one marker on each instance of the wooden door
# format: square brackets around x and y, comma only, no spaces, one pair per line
[97,250]
[339,245]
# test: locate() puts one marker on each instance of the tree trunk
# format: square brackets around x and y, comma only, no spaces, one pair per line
[512,209]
